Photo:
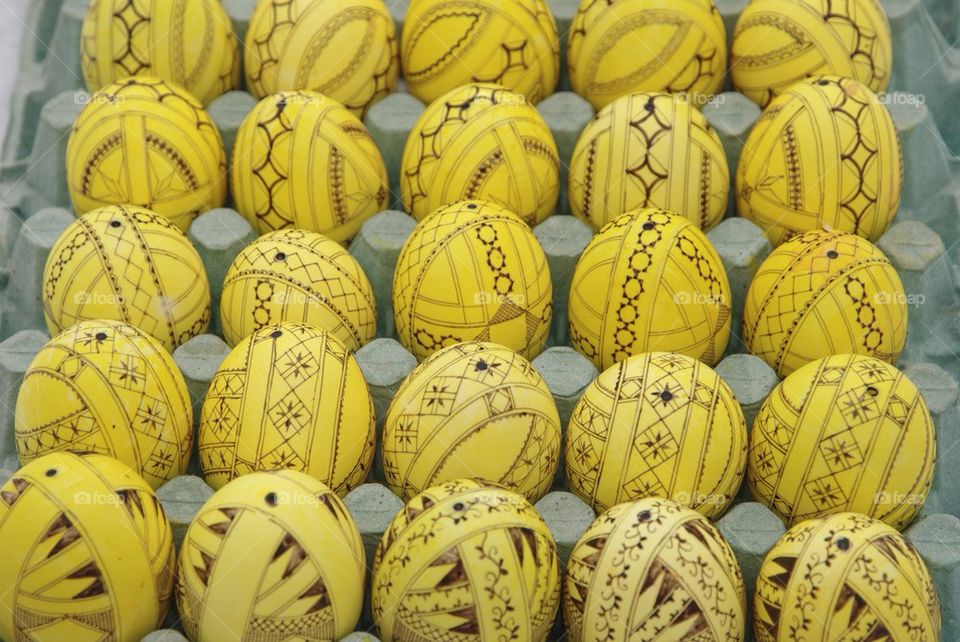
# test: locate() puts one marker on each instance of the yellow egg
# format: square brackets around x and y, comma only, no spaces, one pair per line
[344,49]
[187,42]
[652,570]
[301,160]
[481,141]
[777,43]
[845,577]
[844,433]
[649,281]
[824,154]
[271,556]
[512,43]
[288,397]
[466,562]
[106,387]
[87,552]
[649,150]
[146,142]
[131,265]
[472,271]
[821,294]
[621,47]
[293,275]
[458,408]
[657,425]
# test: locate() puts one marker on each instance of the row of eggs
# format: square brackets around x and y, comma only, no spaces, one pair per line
[90,553]
[847,432]
[347,49]
[825,153]
[472,271]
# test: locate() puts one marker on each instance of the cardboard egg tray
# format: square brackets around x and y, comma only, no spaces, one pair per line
[922,244]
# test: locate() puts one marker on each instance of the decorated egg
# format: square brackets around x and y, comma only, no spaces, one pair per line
[649,281]
[270,555]
[130,265]
[288,397]
[87,552]
[621,47]
[512,43]
[653,570]
[344,49]
[845,574]
[649,151]
[298,276]
[146,142]
[843,433]
[461,405]
[472,271]
[481,556]
[481,141]
[301,160]
[657,425]
[777,43]
[187,42]
[824,293]
[106,387]
[824,154]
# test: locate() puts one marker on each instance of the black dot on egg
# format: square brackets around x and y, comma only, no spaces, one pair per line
[101,336]
[276,334]
[271,499]
[843,543]
[51,472]
[832,254]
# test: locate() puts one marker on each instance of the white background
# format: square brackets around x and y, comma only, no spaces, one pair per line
[12,16]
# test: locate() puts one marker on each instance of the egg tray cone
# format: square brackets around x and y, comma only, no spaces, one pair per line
[923,244]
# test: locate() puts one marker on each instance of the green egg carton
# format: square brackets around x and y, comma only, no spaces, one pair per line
[923,244]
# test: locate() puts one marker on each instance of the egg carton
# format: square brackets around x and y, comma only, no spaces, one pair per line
[922,245]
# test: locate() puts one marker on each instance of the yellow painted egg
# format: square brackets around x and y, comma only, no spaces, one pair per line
[146,142]
[289,396]
[481,141]
[106,387]
[649,150]
[472,271]
[187,42]
[512,43]
[845,577]
[824,154]
[657,425]
[843,433]
[87,552]
[271,556]
[821,294]
[466,562]
[622,47]
[653,570]
[301,160]
[293,275]
[344,49]
[473,410]
[649,281]
[777,43]
[131,265]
